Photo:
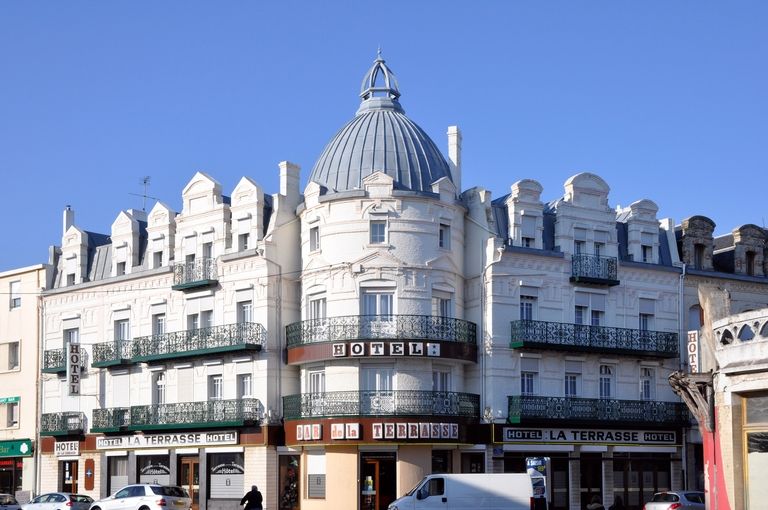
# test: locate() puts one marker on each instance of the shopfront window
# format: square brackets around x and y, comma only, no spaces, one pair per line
[226,475]
[10,475]
[442,461]
[118,473]
[154,469]
[288,483]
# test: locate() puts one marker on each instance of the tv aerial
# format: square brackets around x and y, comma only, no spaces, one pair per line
[144,182]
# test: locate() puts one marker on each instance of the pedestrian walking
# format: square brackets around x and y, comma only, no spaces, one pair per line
[252,499]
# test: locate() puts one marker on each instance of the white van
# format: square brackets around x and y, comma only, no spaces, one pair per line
[502,491]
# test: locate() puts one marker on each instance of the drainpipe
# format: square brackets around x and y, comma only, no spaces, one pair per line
[681,363]
[38,389]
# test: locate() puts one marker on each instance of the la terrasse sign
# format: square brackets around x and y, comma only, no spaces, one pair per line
[646,437]
[167,440]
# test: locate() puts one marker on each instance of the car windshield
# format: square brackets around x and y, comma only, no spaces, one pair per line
[169,490]
[415,487]
[80,498]
[7,499]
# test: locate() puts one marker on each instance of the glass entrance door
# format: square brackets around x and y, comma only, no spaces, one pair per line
[379,469]
[68,476]
[189,478]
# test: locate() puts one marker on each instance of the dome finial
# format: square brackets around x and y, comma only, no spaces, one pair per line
[381,73]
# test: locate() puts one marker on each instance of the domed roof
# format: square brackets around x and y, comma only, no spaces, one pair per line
[380,138]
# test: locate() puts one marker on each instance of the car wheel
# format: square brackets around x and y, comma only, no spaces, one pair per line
[96,508]
[144,508]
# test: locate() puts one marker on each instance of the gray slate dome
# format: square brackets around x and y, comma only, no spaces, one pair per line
[380,138]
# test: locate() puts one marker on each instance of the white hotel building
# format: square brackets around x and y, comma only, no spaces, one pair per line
[382,325]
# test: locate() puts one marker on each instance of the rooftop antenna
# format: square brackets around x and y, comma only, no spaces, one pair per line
[145,182]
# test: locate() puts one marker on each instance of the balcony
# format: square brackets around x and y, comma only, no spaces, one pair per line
[114,419]
[532,410]
[62,424]
[381,327]
[195,274]
[188,415]
[594,269]
[53,361]
[109,354]
[582,338]
[381,403]
[244,336]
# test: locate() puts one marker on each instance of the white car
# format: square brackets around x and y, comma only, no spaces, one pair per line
[59,501]
[145,496]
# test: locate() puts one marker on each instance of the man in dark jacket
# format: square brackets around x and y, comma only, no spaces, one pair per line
[252,499]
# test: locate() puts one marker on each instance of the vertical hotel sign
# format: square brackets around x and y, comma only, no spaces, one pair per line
[692,351]
[73,366]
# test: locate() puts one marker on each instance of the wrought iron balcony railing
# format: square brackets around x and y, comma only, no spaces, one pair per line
[107,354]
[195,273]
[580,337]
[530,409]
[53,361]
[381,403]
[594,269]
[111,420]
[185,415]
[62,424]
[380,327]
[230,337]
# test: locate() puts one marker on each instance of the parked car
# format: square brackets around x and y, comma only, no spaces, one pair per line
[59,501]
[145,496]
[676,500]
[8,502]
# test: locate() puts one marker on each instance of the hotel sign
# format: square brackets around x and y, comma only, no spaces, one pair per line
[167,440]
[66,448]
[342,350]
[589,436]
[692,351]
[73,368]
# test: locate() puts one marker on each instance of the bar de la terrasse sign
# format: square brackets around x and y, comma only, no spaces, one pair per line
[167,440]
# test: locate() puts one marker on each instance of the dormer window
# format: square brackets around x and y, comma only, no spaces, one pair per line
[751,263]
[528,232]
[646,252]
[157,259]
[120,269]
[698,256]
[71,279]
[242,242]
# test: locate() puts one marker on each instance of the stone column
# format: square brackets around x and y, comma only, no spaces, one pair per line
[574,479]
[608,482]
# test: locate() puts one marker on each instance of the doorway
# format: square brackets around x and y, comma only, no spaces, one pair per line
[68,476]
[380,467]
[189,478]
[591,477]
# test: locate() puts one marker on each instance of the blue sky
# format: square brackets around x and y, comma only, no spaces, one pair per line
[665,100]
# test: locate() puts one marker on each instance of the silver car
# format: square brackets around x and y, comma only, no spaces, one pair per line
[8,502]
[59,501]
[676,500]
[146,496]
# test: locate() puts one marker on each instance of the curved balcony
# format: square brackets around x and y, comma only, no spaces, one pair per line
[580,338]
[181,415]
[595,269]
[533,409]
[381,327]
[381,403]
[109,354]
[195,274]
[62,424]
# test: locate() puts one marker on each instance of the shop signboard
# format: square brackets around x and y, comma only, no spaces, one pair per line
[693,351]
[589,436]
[173,440]
[67,448]
[16,448]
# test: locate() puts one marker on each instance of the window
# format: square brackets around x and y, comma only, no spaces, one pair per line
[13,355]
[647,383]
[122,330]
[190,259]
[572,378]
[193,321]
[647,253]
[528,231]
[377,303]
[597,317]
[378,378]
[579,247]
[751,263]
[527,307]
[444,237]
[242,242]
[244,312]
[529,375]
[606,381]
[207,250]
[580,314]
[647,310]
[442,304]
[206,319]
[314,238]
[378,231]
[599,249]
[698,256]
[433,487]
[157,259]
[158,388]
[15,291]
[71,279]
[316,381]
[315,474]
[441,379]
[579,241]
[601,239]
[590,308]
[12,414]
[244,386]
[120,269]
[71,336]
[158,324]
[215,387]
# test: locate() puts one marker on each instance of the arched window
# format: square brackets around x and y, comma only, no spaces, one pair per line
[695,318]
